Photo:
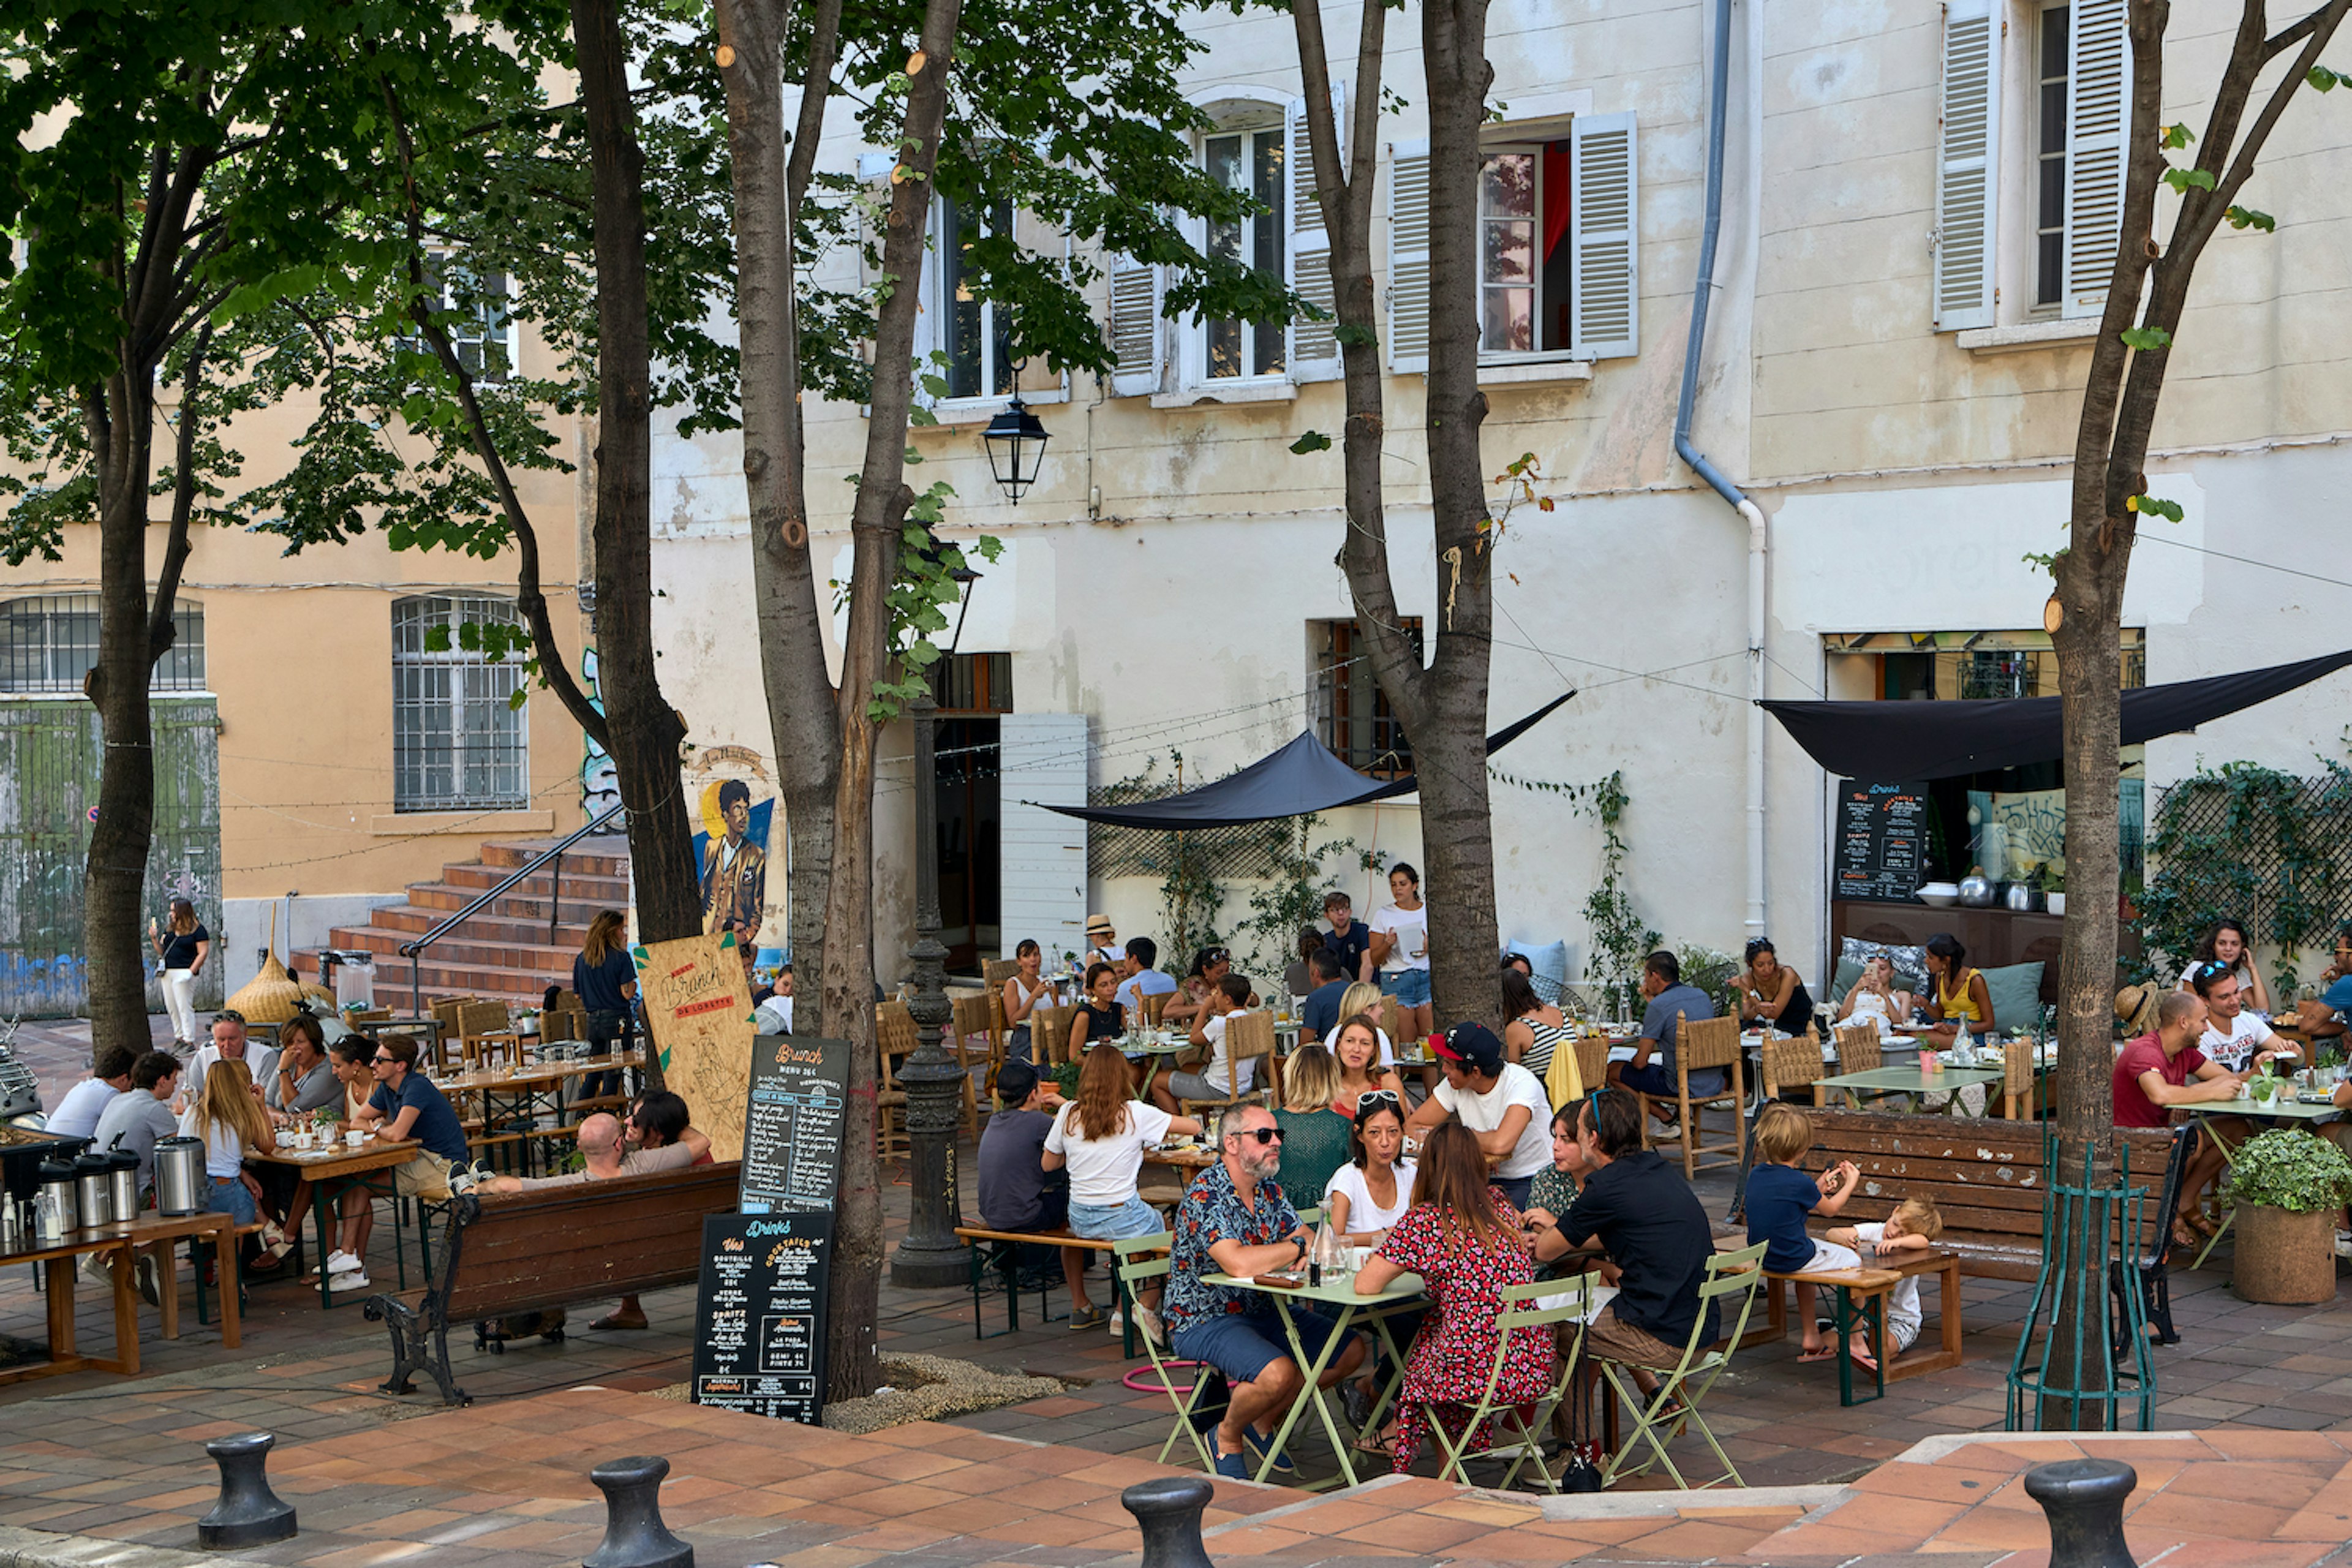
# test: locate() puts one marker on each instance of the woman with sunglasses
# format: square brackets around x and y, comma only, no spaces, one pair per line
[1100,1137]
[1371,1193]
[1771,993]
[1209,966]
[1363,1064]
[1313,1136]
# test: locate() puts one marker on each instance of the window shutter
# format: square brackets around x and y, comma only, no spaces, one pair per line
[1409,258]
[1314,345]
[930,307]
[1137,341]
[1605,221]
[2099,116]
[1966,184]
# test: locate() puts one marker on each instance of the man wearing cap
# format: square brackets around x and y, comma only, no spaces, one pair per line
[1102,943]
[1501,1102]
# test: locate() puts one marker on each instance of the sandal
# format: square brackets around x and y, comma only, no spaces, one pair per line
[2183,1234]
[1864,1360]
[1827,1352]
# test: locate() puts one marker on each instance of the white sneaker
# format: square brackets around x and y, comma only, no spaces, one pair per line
[2344,1244]
[343,1263]
[1147,1320]
[353,1281]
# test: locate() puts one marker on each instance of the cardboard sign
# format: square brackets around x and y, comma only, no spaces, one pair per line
[699,1006]
[1881,840]
[759,1315]
[791,1126]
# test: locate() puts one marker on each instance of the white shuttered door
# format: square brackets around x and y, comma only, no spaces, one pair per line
[1605,224]
[2099,116]
[1409,258]
[1044,853]
[1134,330]
[1965,181]
[1314,350]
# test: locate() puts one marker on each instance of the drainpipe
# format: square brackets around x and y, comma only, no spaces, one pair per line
[1702,290]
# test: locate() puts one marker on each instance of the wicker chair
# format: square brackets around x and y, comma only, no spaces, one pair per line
[1700,1045]
[975,1042]
[894,1037]
[2021,1088]
[1249,1037]
[1049,1034]
[1791,1064]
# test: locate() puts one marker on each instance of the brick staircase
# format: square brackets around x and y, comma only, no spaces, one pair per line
[508,950]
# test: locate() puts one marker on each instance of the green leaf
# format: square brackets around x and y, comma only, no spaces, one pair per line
[436,639]
[1353,336]
[2178,136]
[2155,506]
[2182,179]
[1313,441]
[2247,217]
[2322,79]
[2147,340]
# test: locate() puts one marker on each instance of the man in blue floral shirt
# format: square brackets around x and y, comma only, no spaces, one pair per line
[1236,1220]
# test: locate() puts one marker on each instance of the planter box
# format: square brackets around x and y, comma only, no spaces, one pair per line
[2287,1260]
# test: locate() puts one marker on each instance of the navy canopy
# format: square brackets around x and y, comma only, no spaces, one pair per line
[1940,739]
[1305,776]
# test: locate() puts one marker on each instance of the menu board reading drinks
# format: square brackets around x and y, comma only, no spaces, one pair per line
[792,1124]
[1881,840]
[759,1315]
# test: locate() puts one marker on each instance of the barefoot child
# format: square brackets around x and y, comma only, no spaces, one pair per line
[1779,1196]
[1912,1228]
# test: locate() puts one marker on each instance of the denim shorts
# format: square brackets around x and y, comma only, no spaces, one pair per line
[1410,986]
[1244,1344]
[1111,1223]
[231,1197]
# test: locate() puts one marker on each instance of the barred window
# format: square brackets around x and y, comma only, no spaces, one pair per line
[49,642]
[1352,714]
[460,726]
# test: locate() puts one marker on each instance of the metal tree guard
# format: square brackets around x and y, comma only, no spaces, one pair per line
[2078,1287]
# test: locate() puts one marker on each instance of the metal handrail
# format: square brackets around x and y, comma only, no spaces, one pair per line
[412,951]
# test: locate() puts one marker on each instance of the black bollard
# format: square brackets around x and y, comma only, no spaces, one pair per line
[634,1536]
[248,1513]
[2085,1501]
[1170,1509]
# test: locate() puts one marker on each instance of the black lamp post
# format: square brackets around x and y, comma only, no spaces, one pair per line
[929,1256]
[1016,447]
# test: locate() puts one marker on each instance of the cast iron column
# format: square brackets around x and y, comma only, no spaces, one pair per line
[930,1257]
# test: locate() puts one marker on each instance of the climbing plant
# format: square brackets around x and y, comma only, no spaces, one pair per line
[1620,938]
[1293,896]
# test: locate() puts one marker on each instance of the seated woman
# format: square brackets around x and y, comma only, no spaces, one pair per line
[1958,993]
[1877,999]
[1100,1137]
[1363,999]
[1462,1239]
[1359,1054]
[2226,945]
[1554,1191]
[1771,993]
[1371,1192]
[1535,1026]
[1098,1017]
[1209,966]
[1313,1136]
[1026,991]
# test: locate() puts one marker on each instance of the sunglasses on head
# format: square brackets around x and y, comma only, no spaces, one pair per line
[1371,1100]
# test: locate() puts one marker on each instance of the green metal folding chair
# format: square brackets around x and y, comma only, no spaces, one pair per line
[1730,1276]
[1137,1260]
[1542,1307]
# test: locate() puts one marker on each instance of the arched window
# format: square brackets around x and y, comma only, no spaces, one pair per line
[460,726]
[49,641]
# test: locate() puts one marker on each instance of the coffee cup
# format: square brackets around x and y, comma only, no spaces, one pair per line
[299,1139]
[355,1137]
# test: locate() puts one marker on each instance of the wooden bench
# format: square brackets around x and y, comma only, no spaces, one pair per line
[1986,1180]
[1006,1261]
[533,1251]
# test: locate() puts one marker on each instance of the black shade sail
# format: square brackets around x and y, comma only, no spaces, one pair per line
[1940,740]
[1304,776]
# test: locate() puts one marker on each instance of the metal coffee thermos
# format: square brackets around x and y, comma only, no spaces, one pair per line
[94,1189]
[179,1176]
[122,1174]
[56,1214]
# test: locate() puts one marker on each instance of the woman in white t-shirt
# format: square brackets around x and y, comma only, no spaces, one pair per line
[1401,946]
[1357,1046]
[1876,999]
[1101,1136]
[1373,1189]
[2226,945]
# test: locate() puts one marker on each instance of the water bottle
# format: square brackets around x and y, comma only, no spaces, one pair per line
[1323,1260]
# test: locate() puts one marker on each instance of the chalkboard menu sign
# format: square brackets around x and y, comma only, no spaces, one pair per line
[759,1314]
[792,1124]
[1881,840]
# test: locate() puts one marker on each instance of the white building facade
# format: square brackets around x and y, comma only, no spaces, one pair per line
[1918,208]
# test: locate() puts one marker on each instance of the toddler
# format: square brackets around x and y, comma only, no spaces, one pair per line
[1779,1196]
[1912,1228]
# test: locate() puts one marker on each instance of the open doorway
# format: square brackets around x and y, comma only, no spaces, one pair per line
[971,689]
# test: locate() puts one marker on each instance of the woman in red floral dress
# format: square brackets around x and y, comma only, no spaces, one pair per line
[1462,1239]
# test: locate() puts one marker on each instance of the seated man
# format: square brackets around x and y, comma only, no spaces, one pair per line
[1501,1102]
[1017,1192]
[109,1075]
[402,1105]
[2323,1018]
[1139,978]
[1654,1230]
[230,1040]
[1228,998]
[1651,1071]
[603,1149]
[1235,1220]
[2158,1071]
[1320,1013]
[2234,1036]
[133,1121]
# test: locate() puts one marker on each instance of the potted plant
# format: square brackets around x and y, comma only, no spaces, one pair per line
[2288,1187]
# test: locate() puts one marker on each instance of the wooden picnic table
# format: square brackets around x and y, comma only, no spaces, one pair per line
[339,1169]
[61,1263]
[1910,1080]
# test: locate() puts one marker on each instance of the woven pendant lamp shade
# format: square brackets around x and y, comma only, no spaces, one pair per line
[269,997]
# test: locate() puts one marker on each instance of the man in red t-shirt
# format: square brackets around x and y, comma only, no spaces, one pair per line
[2158,1072]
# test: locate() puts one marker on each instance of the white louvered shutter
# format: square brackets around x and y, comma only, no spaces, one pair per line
[1966,183]
[1314,348]
[931,338]
[1134,330]
[2098,117]
[1409,258]
[1604,222]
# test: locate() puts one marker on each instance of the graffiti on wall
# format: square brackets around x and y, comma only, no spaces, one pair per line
[600,784]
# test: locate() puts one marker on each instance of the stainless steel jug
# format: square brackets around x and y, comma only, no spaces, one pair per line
[179,1176]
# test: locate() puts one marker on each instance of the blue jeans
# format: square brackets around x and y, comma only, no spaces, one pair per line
[230,1197]
[1410,986]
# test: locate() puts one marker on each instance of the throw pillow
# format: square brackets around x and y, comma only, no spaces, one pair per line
[2016,996]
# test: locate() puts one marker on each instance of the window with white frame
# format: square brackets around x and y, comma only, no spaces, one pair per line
[481,326]
[2029,190]
[1249,161]
[976,334]
[1559,244]
[49,642]
[460,726]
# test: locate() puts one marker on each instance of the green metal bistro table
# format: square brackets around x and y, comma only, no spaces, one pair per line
[2280,1111]
[1403,1294]
[1910,1080]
